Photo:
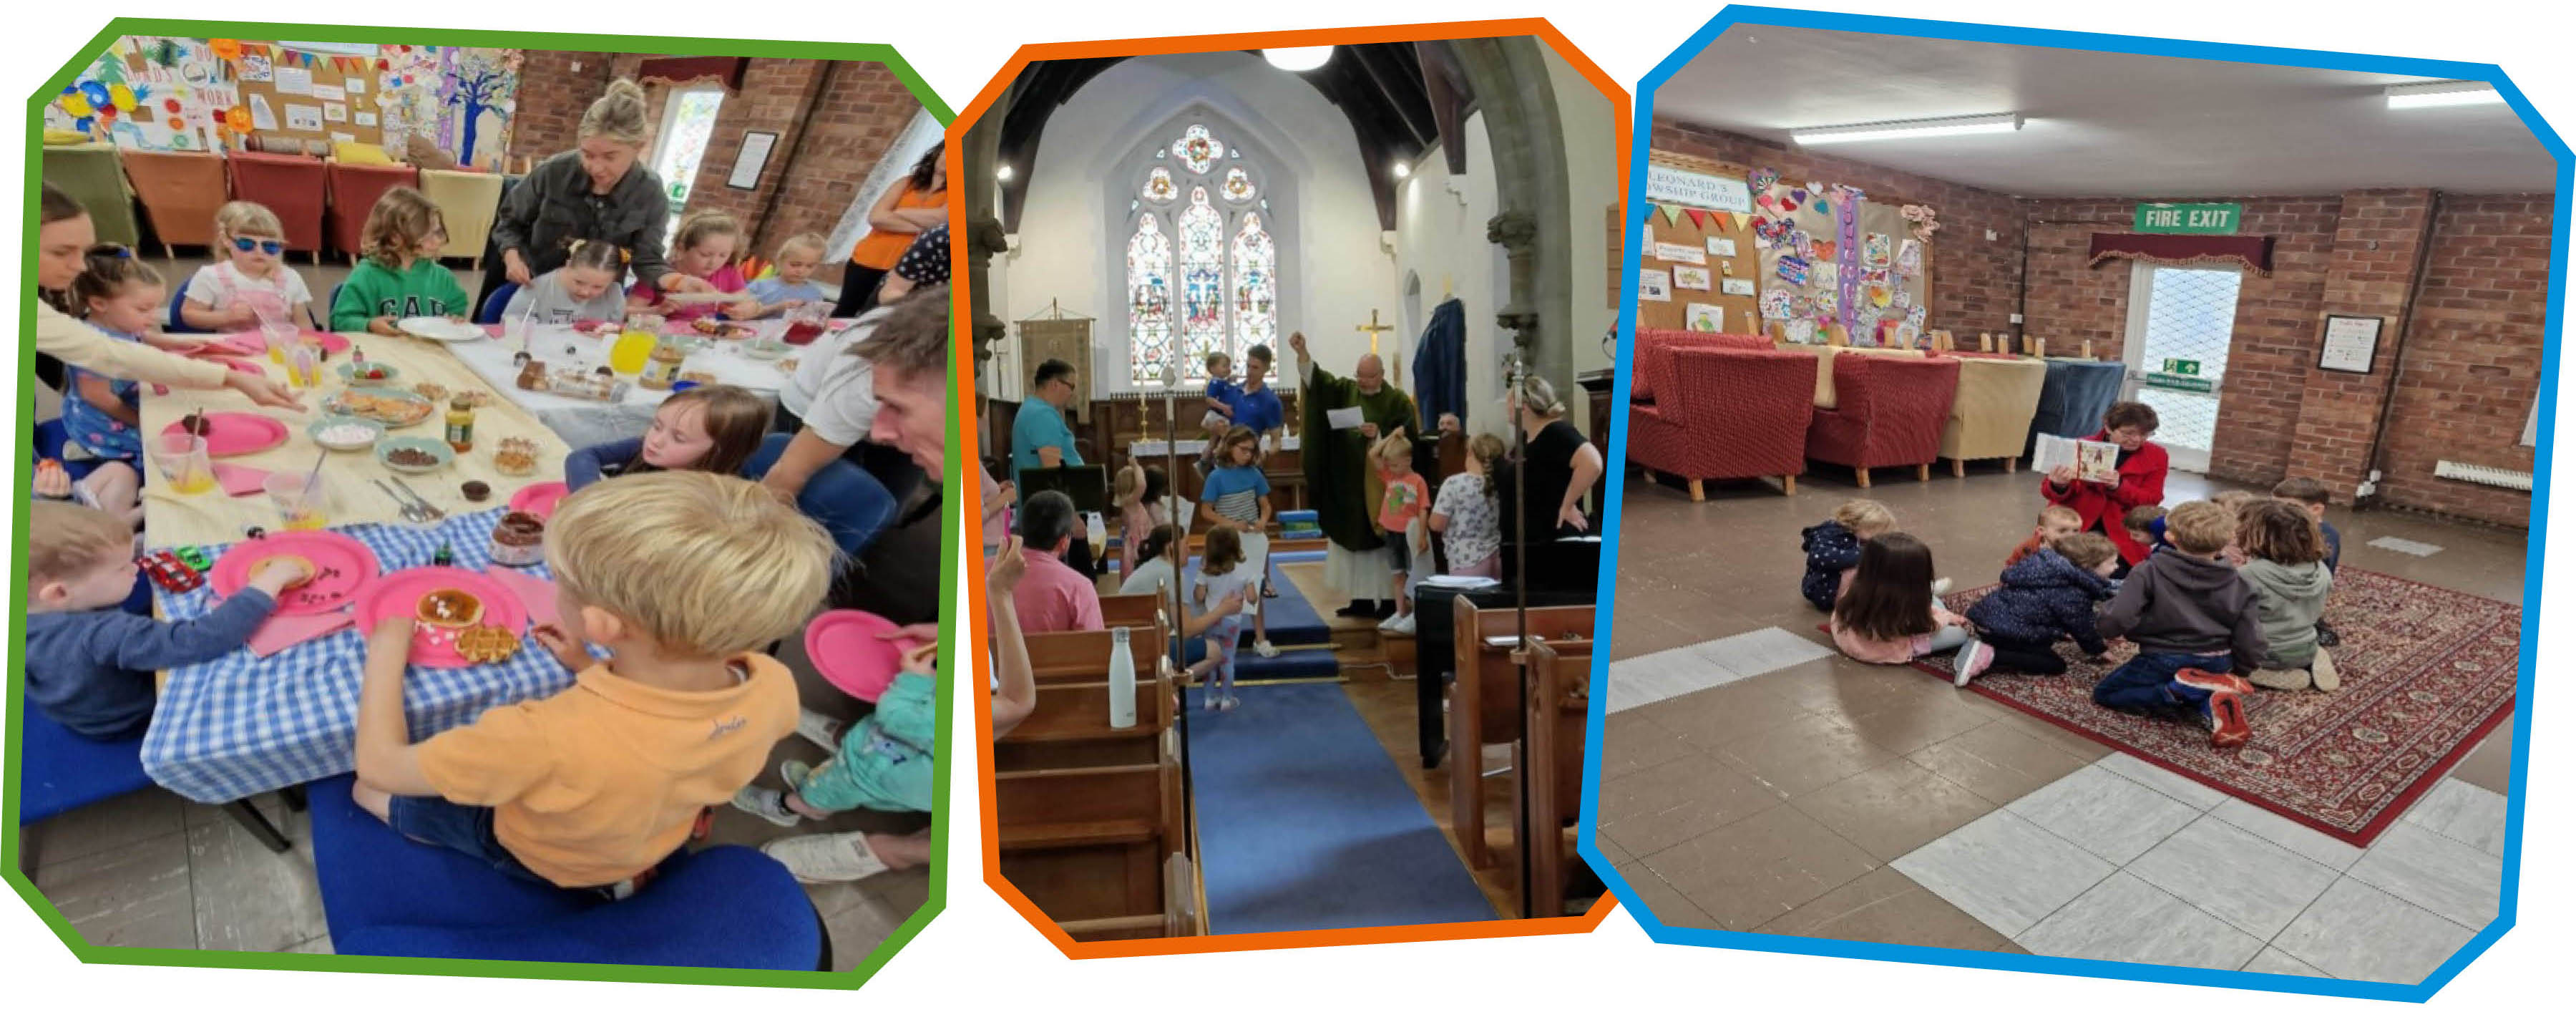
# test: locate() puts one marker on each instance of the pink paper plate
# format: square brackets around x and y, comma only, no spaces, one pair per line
[346,568]
[540,498]
[252,344]
[848,653]
[239,481]
[399,593]
[235,433]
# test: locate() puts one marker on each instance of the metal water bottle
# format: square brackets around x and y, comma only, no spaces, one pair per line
[1122,680]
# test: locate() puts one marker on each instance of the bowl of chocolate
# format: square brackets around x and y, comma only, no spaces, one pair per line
[519,540]
[476,491]
[413,455]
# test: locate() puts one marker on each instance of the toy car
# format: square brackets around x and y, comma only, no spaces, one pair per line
[172,574]
[195,558]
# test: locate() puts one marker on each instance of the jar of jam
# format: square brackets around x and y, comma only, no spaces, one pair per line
[663,368]
[460,425]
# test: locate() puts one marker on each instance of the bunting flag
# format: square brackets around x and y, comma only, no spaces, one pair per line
[1672,214]
[1728,219]
[1698,218]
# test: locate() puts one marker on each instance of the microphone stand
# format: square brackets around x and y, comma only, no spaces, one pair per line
[1520,645]
[1179,645]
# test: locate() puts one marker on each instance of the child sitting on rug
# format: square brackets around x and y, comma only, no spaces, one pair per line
[2054,522]
[2146,525]
[1834,547]
[551,790]
[2045,597]
[1887,612]
[2311,495]
[2194,621]
[1223,576]
[2285,564]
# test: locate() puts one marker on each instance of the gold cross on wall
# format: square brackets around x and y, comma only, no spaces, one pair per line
[1373,329]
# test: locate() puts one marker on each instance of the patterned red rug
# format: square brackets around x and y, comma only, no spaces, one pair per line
[2426,673]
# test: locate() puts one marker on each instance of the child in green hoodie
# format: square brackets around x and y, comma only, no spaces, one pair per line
[401,276]
[2285,564]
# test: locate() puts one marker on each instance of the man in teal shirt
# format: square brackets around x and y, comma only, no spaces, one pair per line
[1039,435]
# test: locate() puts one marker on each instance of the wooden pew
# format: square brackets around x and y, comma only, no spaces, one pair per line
[1091,820]
[1484,704]
[1132,611]
[1561,675]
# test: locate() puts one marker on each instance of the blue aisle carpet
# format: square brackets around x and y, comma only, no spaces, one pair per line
[1306,823]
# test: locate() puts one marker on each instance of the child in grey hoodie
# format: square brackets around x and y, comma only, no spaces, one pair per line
[2285,564]
[2194,621]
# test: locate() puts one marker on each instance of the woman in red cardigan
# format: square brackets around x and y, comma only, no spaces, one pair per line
[2142,480]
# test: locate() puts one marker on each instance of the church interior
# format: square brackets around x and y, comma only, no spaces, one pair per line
[1374,236]
[2325,291]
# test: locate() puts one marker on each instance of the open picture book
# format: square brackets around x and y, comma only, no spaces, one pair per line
[2093,461]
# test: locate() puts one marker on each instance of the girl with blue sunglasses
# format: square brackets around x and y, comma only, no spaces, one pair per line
[249,276]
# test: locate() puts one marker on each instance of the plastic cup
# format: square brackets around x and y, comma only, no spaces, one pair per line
[299,498]
[183,462]
[281,337]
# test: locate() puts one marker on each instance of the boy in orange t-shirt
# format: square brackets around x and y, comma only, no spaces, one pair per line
[683,576]
[2054,522]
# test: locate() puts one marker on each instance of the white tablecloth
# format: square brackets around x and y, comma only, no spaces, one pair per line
[587,422]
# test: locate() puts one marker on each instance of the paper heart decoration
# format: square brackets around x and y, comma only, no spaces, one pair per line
[1762,179]
[1766,203]
[1824,208]
[1825,249]
[1814,187]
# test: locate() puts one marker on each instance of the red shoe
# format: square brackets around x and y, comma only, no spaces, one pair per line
[2227,727]
[2212,682]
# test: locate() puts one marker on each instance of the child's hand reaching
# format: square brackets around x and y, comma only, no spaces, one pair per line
[923,659]
[568,649]
[390,638]
[52,482]
[278,574]
[174,343]
[918,632]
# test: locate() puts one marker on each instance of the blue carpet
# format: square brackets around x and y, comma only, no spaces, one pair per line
[1306,823]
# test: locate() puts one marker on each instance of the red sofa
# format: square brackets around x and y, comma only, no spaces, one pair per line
[1888,412]
[291,185]
[354,191]
[1716,406]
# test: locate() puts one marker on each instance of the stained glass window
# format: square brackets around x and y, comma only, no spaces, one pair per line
[1197,150]
[1256,286]
[1202,269]
[1203,330]
[1149,300]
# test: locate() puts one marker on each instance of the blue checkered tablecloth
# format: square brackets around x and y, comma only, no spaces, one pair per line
[242,725]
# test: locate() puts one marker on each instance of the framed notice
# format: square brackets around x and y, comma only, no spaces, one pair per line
[754,158]
[2351,344]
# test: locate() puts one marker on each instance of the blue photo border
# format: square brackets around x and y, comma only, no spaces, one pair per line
[1605,620]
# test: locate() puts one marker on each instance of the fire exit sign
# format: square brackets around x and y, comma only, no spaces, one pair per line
[2190,219]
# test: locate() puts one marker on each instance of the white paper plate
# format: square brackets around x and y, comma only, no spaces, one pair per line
[684,298]
[439,328]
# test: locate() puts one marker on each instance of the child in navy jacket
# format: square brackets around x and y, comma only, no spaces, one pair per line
[2047,597]
[1833,548]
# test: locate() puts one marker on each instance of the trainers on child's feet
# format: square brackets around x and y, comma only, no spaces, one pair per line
[794,773]
[822,858]
[1940,586]
[819,729]
[2211,681]
[1402,625]
[1208,698]
[2323,668]
[2326,637]
[1973,658]
[1387,624]
[2279,679]
[2225,712]
[768,803]
[1231,701]
[1265,648]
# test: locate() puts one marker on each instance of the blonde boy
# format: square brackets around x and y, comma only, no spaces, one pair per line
[684,577]
[2194,622]
[2054,522]
[793,285]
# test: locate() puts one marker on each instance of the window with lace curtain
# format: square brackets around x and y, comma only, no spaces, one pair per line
[1202,266]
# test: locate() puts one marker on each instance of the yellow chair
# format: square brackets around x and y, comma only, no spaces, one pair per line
[468,201]
[1990,417]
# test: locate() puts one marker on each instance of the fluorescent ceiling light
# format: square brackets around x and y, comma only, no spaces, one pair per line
[1298,57]
[1003,172]
[2440,93]
[2001,123]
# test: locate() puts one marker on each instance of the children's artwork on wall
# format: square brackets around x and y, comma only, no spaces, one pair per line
[306,118]
[255,67]
[1829,301]
[1721,247]
[1909,258]
[1691,278]
[1737,286]
[1792,269]
[461,99]
[1655,286]
[1680,253]
[1875,251]
[1825,275]
[1707,318]
[1801,331]
[159,93]
[1775,303]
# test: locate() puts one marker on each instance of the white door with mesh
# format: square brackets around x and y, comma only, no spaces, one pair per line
[2181,320]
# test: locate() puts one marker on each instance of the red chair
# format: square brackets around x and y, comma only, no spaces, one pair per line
[292,186]
[1888,412]
[1723,406]
[180,191]
[354,191]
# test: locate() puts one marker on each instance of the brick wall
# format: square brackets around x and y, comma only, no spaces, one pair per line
[1975,282]
[2473,357]
[552,97]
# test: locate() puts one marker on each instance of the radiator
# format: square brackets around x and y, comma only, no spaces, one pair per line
[2483,475]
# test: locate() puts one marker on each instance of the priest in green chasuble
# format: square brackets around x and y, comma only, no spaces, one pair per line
[1341,478]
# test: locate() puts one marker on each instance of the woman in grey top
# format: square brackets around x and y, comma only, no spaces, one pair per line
[598,191]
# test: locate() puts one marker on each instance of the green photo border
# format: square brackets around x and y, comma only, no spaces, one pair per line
[23,477]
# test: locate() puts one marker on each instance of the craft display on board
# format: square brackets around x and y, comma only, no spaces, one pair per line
[1838,266]
[157,93]
[1702,255]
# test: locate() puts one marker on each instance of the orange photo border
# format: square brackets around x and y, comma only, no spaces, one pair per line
[963,362]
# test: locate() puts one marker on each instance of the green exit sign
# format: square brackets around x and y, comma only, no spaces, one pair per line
[2183,366]
[2190,219]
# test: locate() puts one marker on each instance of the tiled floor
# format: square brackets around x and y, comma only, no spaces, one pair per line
[153,870]
[1748,788]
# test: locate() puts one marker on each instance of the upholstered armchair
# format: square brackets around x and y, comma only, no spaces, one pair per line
[1990,417]
[1888,411]
[1718,406]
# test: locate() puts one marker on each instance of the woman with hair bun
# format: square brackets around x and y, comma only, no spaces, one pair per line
[599,191]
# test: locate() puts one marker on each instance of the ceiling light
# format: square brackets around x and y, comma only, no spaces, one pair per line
[1299,57]
[1403,170]
[2001,123]
[2439,93]
[1003,173]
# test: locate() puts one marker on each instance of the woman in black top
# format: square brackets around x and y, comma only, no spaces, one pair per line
[1560,465]
[599,192]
